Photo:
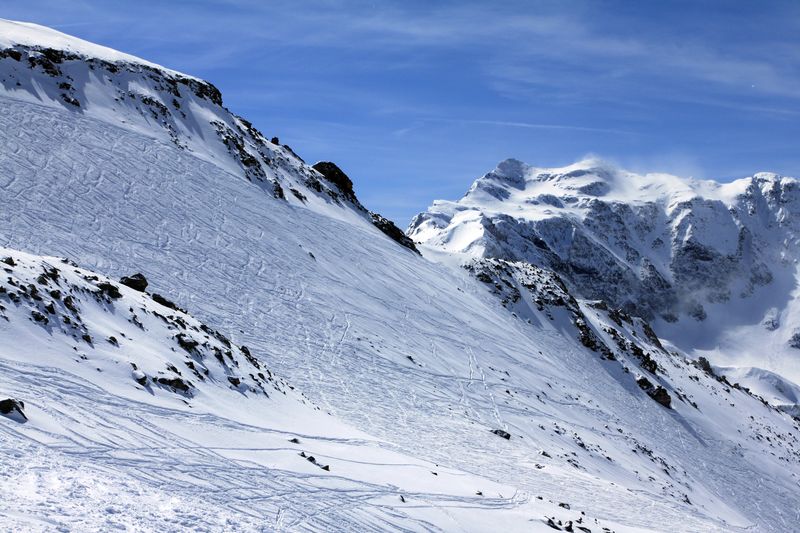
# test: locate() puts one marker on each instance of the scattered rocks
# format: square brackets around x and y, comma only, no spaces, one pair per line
[703,364]
[56,300]
[237,147]
[313,460]
[794,341]
[552,524]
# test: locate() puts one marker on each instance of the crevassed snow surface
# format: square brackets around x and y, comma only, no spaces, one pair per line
[412,364]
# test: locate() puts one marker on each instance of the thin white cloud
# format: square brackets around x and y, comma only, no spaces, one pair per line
[542,126]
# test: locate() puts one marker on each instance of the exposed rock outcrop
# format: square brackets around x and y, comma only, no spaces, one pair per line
[136,282]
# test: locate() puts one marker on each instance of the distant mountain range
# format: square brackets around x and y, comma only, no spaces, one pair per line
[712,265]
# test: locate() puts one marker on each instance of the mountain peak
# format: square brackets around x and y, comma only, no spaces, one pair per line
[511,169]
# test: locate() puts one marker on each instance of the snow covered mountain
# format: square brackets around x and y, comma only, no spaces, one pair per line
[49,69]
[429,397]
[714,266]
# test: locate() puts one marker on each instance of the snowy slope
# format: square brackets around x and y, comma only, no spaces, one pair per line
[775,389]
[418,369]
[714,265]
[47,68]
[138,416]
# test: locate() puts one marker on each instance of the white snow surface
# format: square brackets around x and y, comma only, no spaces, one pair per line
[412,364]
[770,386]
[13,33]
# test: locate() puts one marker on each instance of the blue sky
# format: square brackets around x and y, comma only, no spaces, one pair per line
[416,99]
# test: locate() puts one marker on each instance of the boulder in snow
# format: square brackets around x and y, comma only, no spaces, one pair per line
[13,409]
[136,282]
[656,392]
[500,433]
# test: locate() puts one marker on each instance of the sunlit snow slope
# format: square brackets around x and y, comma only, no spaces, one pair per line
[420,371]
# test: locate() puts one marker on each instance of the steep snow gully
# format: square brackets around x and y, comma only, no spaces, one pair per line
[314,372]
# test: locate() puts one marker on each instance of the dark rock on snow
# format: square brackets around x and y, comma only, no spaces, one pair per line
[392,231]
[658,393]
[661,395]
[13,409]
[175,383]
[186,342]
[332,173]
[703,364]
[136,282]
[166,303]
[500,433]
[335,175]
[110,290]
